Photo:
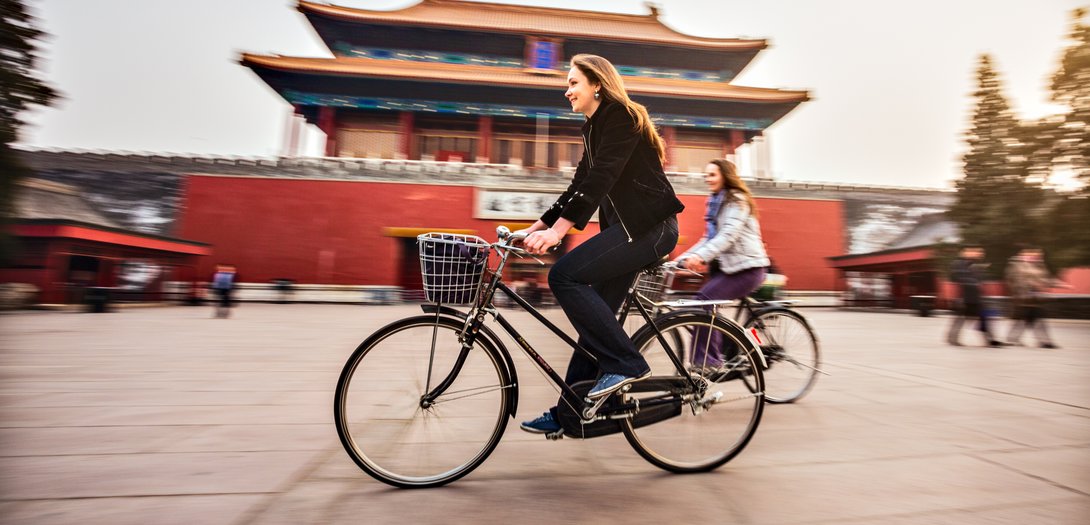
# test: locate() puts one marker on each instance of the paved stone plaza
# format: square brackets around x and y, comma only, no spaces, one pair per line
[165,415]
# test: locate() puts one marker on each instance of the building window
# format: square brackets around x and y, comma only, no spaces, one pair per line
[692,150]
[693,159]
[371,144]
[523,150]
[447,147]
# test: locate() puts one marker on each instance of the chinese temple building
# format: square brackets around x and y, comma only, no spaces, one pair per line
[450,116]
[450,80]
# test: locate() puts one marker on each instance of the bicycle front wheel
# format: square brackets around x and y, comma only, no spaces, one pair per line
[718,419]
[396,434]
[792,352]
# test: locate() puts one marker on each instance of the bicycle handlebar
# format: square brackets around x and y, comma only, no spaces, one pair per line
[505,234]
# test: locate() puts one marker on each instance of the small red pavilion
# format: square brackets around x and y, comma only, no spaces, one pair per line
[64,246]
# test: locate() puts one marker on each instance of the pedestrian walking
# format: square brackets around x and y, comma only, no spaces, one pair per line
[223,284]
[1027,279]
[967,272]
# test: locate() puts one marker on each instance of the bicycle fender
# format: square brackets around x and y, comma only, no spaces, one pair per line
[431,308]
[778,308]
[752,337]
[493,340]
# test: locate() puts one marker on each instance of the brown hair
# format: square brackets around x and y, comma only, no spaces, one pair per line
[600,71]
[732,182]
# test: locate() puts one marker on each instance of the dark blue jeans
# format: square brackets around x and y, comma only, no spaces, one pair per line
[590,283]
[710,352]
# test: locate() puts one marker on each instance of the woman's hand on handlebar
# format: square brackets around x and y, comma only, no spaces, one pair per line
[693,264]
[541,241]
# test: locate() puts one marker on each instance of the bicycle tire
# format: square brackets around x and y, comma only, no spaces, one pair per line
[702,438]
[386,428]
[792,351]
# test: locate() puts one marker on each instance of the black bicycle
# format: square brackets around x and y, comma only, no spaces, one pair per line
[424,400]
[787,341]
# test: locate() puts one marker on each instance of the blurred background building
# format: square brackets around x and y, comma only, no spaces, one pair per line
[450,116]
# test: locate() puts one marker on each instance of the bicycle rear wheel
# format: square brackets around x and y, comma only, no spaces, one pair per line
[388,428]
[720,417]
[792,352]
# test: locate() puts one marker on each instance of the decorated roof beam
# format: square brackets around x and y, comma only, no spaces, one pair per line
[509,30]
[349,78]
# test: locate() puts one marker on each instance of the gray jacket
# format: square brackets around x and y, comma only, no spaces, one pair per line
[737,243]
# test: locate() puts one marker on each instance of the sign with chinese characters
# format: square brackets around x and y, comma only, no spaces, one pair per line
[517,205]
[514,204]
[543,54]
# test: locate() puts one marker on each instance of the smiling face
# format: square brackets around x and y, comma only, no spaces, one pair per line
[713,178]
[581,93]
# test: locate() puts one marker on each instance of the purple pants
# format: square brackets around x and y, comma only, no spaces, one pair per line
[721,286]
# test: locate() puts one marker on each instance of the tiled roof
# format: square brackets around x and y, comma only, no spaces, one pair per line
[543,21]
[40,199]
[459,73]
[930,229]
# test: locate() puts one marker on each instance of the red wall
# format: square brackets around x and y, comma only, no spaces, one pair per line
[799,234]
[330,232]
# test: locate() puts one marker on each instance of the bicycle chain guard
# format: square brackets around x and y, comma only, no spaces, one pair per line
[571,420]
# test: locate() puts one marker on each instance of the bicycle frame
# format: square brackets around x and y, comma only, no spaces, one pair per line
[474,322]
[746,304]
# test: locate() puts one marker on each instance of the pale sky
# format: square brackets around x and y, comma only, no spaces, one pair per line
[891,80]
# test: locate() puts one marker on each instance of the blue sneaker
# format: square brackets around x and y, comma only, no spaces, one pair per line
[545,424]
[610,383]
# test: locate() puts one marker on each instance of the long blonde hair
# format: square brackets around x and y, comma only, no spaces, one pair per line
[600,71]
[733,183]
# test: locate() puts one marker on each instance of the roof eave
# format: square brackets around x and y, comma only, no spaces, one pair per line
[349,14]
[663,89]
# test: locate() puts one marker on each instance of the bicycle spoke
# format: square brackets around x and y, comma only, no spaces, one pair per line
[794,358]
[476,392]
[699,437]
[379,415]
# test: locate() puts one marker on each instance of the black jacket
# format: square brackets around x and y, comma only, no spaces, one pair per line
[966,273]
[620,172]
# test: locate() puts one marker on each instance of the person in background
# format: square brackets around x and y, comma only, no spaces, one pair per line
[1027,279]
[223,283]
[967,272]
[730,252]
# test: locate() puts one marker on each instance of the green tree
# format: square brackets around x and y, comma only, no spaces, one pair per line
[1071,87]
[19,88]
[996,207]
[1068,238]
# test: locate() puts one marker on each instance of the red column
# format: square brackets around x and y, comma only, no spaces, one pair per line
[53,278]
[669,136]
[737,138]
[406,122]
[484,139]
[327,122]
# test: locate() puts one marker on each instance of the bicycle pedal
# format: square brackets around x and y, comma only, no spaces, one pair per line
[593,405]
[553,436]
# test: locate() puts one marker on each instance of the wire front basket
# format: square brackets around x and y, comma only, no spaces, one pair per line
[653,284]
[452,266]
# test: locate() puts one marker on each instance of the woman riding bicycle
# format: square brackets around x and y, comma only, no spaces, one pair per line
[731,252]
[620,176]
